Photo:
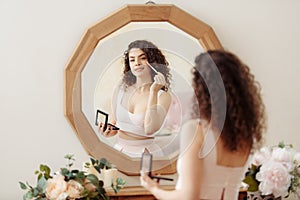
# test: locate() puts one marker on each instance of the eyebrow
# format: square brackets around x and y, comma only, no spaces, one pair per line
[142,54]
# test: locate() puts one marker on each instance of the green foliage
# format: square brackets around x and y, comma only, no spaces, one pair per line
[281,144]
[103,163]
[295,181]
[250,178]
[119,185]
[81,177]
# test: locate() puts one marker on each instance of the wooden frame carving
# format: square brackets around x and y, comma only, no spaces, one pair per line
[129,13]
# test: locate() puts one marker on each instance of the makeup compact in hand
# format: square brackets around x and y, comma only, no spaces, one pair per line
[146,166]
[102,117]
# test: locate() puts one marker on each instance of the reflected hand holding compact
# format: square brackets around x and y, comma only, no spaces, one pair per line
[146,166]
[102,117]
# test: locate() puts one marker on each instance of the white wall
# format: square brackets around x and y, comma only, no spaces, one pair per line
[38,37]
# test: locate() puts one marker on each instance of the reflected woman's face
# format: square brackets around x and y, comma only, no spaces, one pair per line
[138,62]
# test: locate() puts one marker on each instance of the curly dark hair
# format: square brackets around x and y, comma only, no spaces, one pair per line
[154,56]
[245,119]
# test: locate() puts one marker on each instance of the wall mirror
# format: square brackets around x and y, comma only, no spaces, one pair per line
[96,66]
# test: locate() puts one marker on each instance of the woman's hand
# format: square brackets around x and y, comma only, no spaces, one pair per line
[147,182]
[109,132]
[159,82]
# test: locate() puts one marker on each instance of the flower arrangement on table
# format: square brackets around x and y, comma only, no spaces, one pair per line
[275,171]
[71,184]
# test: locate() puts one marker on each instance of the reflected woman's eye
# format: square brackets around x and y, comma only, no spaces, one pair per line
[132,60]
[144,58]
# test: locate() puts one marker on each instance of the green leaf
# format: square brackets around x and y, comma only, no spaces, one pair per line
[80,175]
[64,171]
[105,164]
[102,163]
[93,179]
[69,157]
[23,185]
[98,169]
[87,165]
[120,181]
[45,168]
[70,164]
[42,184]
[29,195]
[253,184]
[93,161]
[281,144]
[74,171]
[36,192]
[39,176]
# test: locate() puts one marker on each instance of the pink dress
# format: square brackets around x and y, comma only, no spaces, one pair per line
[216,179]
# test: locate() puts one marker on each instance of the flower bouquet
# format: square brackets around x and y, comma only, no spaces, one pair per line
[70,183]
[274,171]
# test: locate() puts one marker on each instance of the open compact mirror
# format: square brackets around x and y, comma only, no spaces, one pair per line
[96,67]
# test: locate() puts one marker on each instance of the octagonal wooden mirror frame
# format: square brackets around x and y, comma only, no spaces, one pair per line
[129,13]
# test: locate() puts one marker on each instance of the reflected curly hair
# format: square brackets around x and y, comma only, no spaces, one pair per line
[245,119]
[154,56]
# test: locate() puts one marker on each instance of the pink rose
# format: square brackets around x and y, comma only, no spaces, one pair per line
[74,189]
[56,188]
[274,179]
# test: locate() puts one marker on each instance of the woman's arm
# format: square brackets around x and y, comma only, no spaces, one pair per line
[157,106]
[114,98]
[190,172]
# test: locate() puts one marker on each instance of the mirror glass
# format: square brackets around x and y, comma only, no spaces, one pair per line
[104,70]
[96,66]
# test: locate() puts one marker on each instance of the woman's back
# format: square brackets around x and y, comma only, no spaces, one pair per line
[222,170]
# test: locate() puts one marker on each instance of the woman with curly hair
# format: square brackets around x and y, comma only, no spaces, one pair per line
[141,101]
[215,146]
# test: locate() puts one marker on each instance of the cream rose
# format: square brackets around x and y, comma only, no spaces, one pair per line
[56,188]
[74,189]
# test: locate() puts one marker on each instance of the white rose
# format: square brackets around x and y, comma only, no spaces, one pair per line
[261,156]
[274,179]
[285,156]
[282,154]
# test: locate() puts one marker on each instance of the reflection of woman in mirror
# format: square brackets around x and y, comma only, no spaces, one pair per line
[214,157]
[141,102]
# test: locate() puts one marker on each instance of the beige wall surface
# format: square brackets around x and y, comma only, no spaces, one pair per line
[38,37]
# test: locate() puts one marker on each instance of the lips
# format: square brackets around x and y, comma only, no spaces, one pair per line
[138,69]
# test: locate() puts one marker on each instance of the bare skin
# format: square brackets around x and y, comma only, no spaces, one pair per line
[142,97]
